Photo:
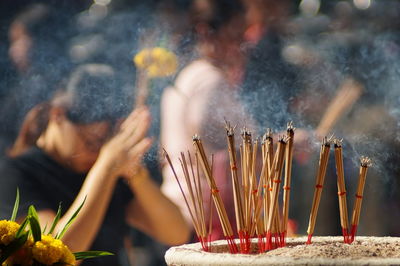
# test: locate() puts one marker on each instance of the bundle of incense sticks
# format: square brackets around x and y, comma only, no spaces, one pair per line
[273,225]
[365,163]
[319,183]
[243,233]
[250,188]
[195,202]
[223,216]
[344,220]
[267,149]
[256,196]
[324,156]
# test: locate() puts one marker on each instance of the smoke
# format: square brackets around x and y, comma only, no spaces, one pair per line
[291,78]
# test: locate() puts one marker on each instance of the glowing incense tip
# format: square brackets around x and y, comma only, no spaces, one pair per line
[229,129]
[338,143]
[196,137]
[365,161]
[290,126]
[245,132]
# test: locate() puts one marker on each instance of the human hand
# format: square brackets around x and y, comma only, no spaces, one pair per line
[121,155]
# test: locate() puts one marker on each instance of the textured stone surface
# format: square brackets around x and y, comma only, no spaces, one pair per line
[323,251]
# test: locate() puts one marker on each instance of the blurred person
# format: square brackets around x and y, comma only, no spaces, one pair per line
[204,93]
[37,39]
[85,150]
[114,38]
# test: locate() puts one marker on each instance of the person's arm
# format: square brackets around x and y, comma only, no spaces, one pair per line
[116,157]
[348,93]
[153,213]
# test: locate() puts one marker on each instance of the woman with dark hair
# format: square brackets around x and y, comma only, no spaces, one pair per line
[38,37]
[87,151]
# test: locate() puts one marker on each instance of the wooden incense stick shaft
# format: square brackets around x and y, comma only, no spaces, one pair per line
[288,178]
[235,183]
[222,214]
[247,177]
[359,195]
[189,187]
[276,180]
[323,162]
[344,220]
[262,195]
[195,223]
[269,149]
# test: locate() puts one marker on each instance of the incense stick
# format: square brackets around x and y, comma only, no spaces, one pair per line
[365,163]
[237,197]
[219,205]
[196,210]
[288,178]
[319,182]
[344,220]
[246,176]
[275,176]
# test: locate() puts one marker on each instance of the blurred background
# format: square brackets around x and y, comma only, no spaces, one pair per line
[328,66]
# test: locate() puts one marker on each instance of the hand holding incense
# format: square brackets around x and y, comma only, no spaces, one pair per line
[344,220]
[365,163]
[319,182]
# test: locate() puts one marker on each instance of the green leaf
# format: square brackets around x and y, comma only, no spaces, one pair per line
[32,212]
[56,219]
[35,228]
[91,254]
[16,244]
[22,228]
[73,217]
[44,229]
[15,210]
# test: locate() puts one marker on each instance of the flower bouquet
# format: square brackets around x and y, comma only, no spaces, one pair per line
[28,244]
[152,63]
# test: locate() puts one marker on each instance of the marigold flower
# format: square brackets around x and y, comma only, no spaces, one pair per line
[158,62]
[67,257]
[48,250]
[8,229]
[143,59]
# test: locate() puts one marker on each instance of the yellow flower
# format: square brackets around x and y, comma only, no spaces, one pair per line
[143,58]
[8,229]
[67,257]
[157,62]
[48,250]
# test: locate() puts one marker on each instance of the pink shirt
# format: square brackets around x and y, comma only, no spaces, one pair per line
[197,104]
